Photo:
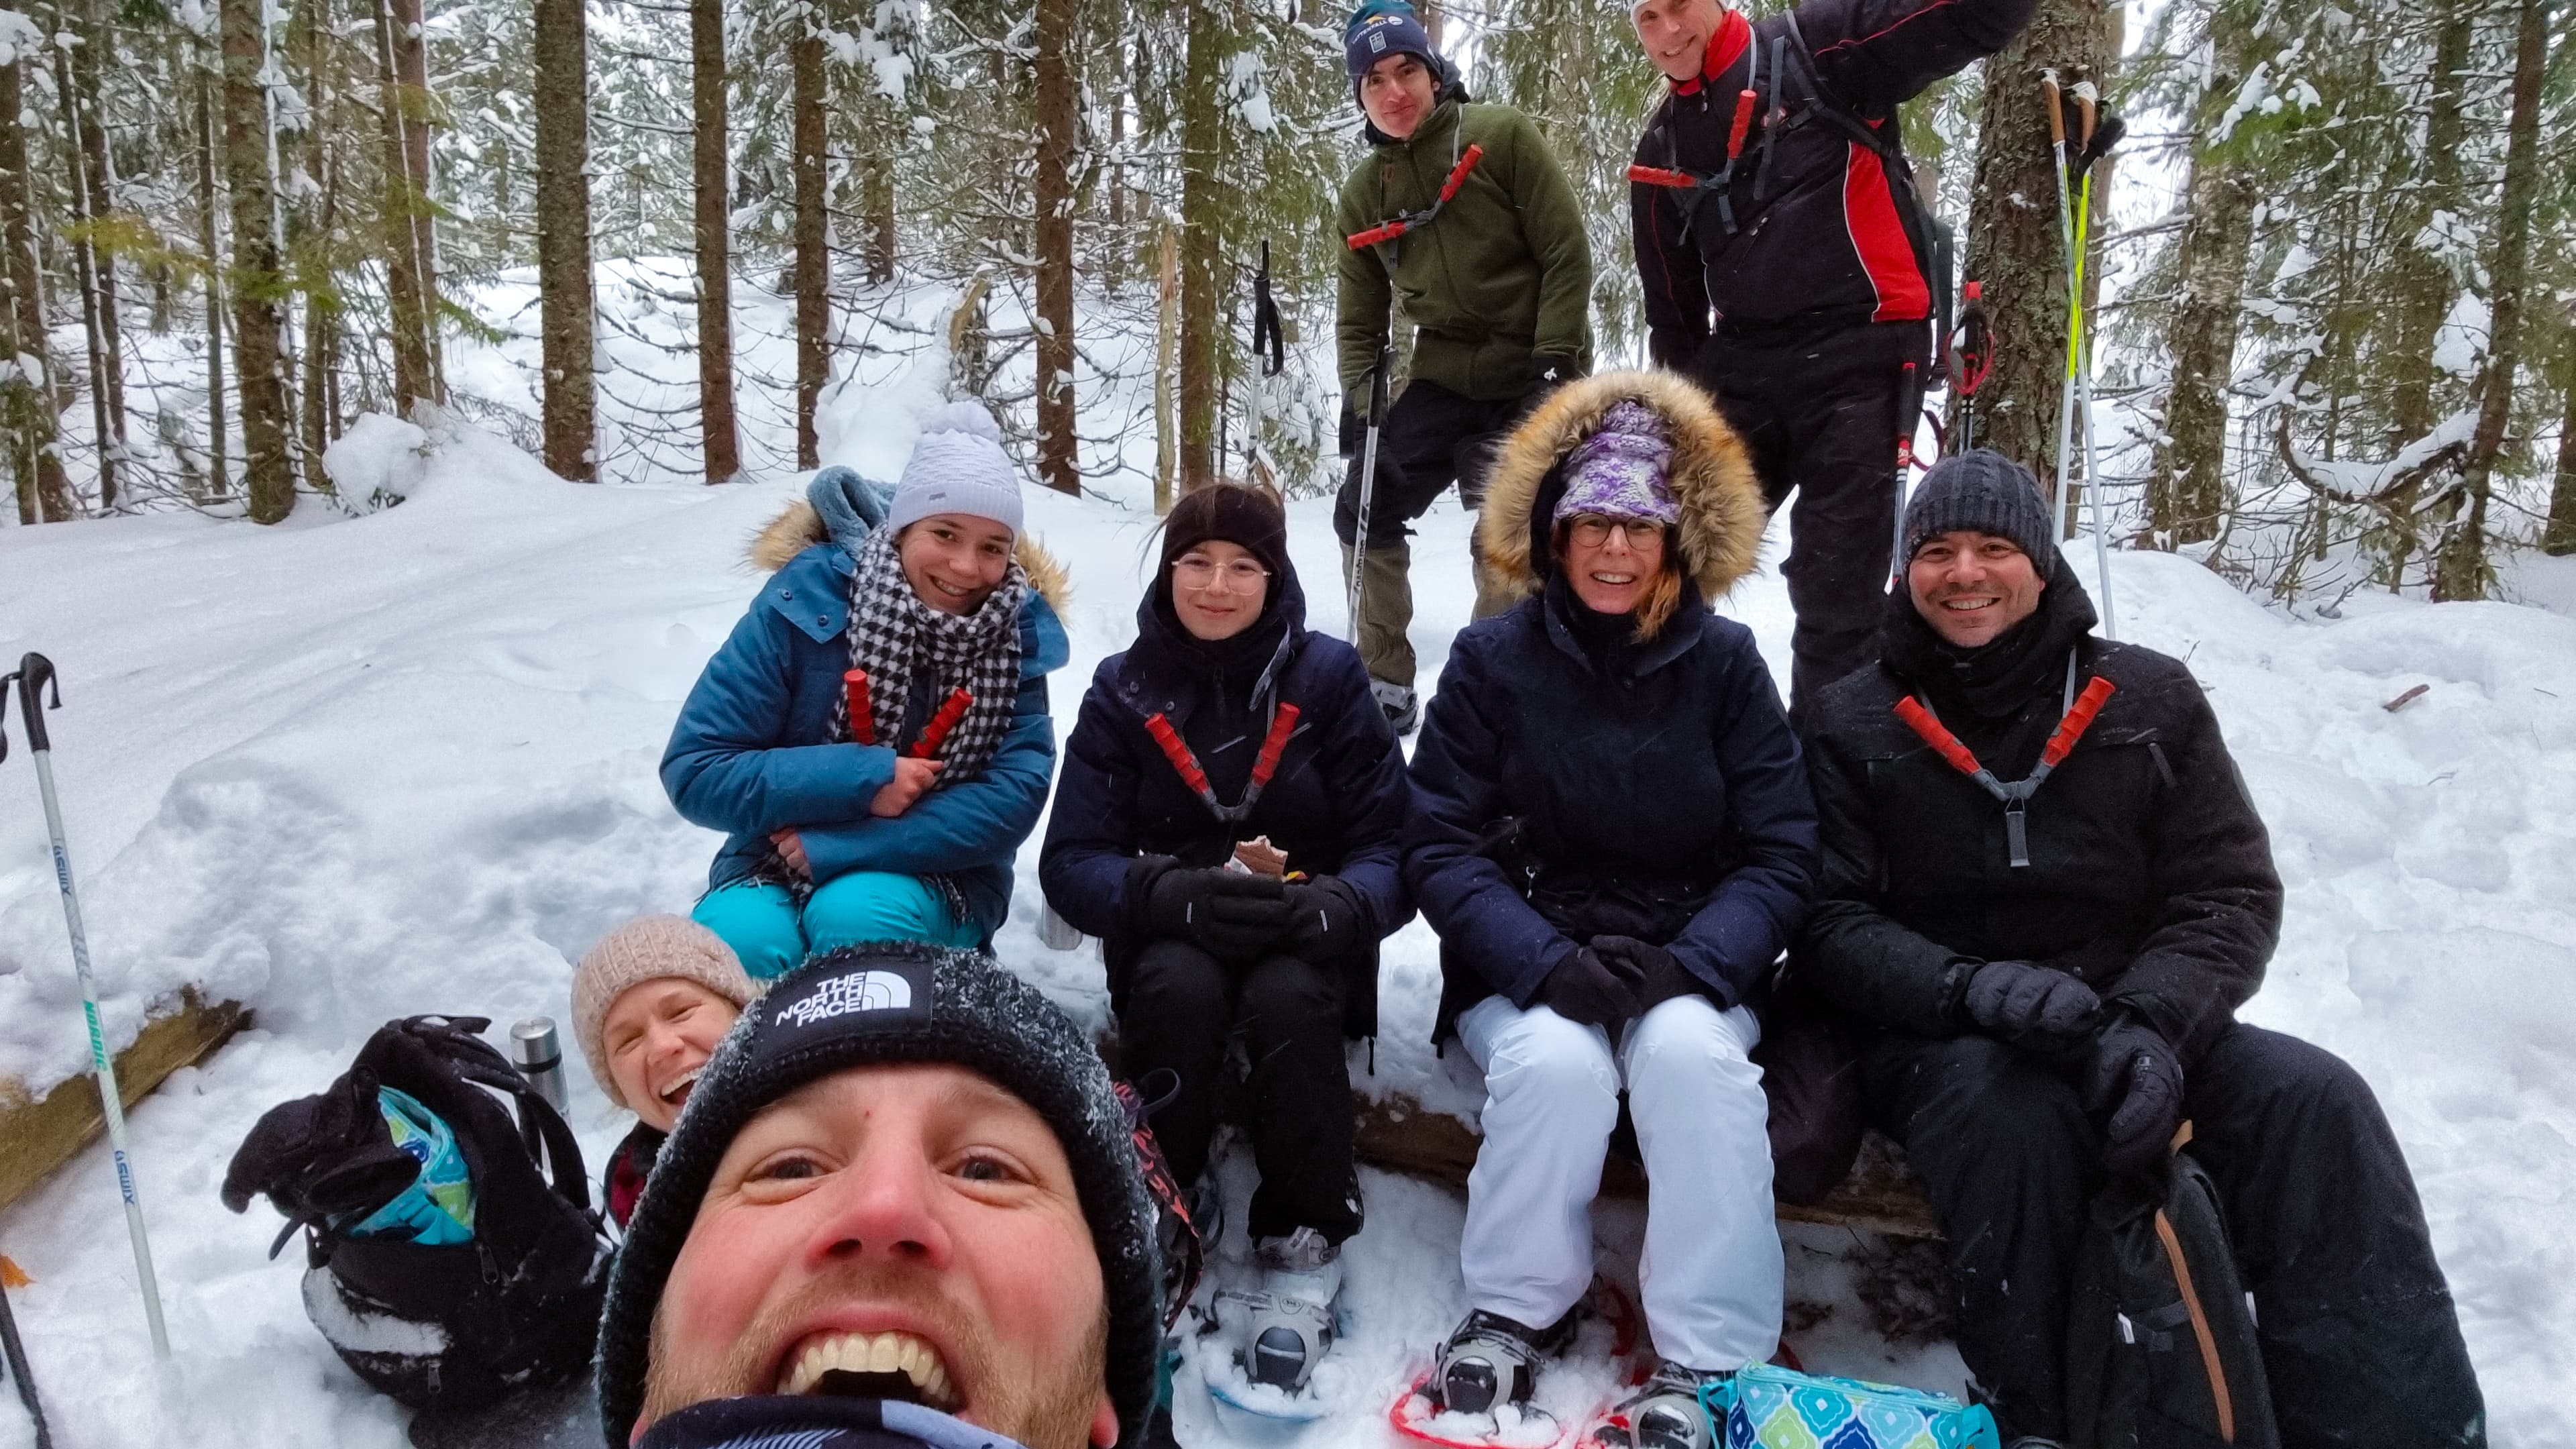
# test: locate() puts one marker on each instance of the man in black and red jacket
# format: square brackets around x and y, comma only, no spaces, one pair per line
[1787,264]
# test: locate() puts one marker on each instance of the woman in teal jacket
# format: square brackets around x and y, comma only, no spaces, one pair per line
[903,828]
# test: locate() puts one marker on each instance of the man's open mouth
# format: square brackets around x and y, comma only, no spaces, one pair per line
[871,1366]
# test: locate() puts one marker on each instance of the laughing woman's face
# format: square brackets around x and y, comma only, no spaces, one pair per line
[954,561]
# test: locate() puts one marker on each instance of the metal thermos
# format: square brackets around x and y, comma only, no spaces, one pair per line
[538,1053]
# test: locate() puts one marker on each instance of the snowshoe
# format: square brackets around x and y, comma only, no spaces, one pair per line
[1666,1412]
[1289,1325]
[1403,708]
[1489,1357]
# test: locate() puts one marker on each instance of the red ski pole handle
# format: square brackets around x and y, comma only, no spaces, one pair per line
[1744,103]
[935,733]
[1266,764]
[1361,240]
[1168,740]
[863,719]
[1458,173]
[1658,176]
[1937,735]
[2077,721]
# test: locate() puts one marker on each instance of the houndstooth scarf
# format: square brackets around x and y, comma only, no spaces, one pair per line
[894,635]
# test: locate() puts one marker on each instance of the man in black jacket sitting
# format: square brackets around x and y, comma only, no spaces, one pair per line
[2048,978]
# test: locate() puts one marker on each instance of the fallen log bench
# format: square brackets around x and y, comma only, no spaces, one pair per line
[1877,1196]
[40,1133]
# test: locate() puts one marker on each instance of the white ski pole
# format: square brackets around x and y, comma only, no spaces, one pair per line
[34,672]
[2058,158]
[1368,477]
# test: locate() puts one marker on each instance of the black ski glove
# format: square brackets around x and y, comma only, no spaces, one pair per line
[1232,915]
[1330,919]
[1661,974]
[1594,989]
[2133,1077]
[2030,1006]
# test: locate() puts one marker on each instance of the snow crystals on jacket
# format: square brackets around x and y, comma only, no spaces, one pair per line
[750,753]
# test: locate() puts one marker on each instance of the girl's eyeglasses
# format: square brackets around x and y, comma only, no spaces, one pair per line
[1198,571]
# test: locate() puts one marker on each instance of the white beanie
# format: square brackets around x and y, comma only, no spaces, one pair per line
[958,466]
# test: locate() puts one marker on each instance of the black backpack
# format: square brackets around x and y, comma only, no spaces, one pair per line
[2161,1347]
[454,1326]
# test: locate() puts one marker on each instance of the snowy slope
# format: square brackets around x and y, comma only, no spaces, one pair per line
[355,770]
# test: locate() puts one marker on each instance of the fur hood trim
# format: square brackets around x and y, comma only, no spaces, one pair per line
[1711,478]
[798,527]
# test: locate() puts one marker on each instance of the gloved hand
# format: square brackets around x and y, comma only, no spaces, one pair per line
[1230,914]
[1662,974]
[1329,918]
[1594,989]
[2133,1075]
[2029,1005]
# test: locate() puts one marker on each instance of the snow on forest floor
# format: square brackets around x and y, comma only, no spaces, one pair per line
[357,769]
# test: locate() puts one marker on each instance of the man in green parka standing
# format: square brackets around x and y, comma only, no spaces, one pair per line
[1498,284]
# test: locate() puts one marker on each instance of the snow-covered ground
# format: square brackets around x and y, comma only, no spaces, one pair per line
[352,770]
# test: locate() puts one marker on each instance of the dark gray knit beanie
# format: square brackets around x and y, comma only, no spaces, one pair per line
[1982,490]
[876,1005]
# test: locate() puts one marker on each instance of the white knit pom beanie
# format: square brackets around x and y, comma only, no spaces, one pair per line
[958,466]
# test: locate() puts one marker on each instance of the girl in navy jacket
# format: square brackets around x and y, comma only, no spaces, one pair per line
[1227,824]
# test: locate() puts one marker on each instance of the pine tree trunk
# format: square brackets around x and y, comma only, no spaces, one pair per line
[210,241]
[813,237]
[2187,488]
[713,235]
[1203,191]
[1058,122]
[402,76]
[1167,336]
[2462,569]
[321,310]
[2559,540]
[258,280]
[563,237]
[26,393]
[2423,283]
[2014,245]
[93,197]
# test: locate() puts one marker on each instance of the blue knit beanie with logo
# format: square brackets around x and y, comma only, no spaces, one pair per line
[1380,28]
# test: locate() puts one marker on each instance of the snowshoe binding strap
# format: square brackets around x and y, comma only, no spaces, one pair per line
[1283,723]
[2016,795]
[1416,220]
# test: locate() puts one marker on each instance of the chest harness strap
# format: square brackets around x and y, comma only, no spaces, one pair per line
[1283,723]
[2071,726]
[1414,220]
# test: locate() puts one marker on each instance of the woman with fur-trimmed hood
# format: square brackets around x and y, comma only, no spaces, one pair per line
[1612,832]
[897,820]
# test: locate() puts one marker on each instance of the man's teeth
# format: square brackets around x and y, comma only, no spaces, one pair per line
[1963,605]
[678,1091]
[873,1353]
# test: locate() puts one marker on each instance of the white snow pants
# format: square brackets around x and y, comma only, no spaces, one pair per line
[1712,1272]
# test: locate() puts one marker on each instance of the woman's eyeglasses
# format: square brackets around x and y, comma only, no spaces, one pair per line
[1594,532]
[1198,571]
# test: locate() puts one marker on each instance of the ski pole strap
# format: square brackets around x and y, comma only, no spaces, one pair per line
[1389,231]
[1267,335]
[34,672]
[863,719]
[935,734]
[1973,355]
